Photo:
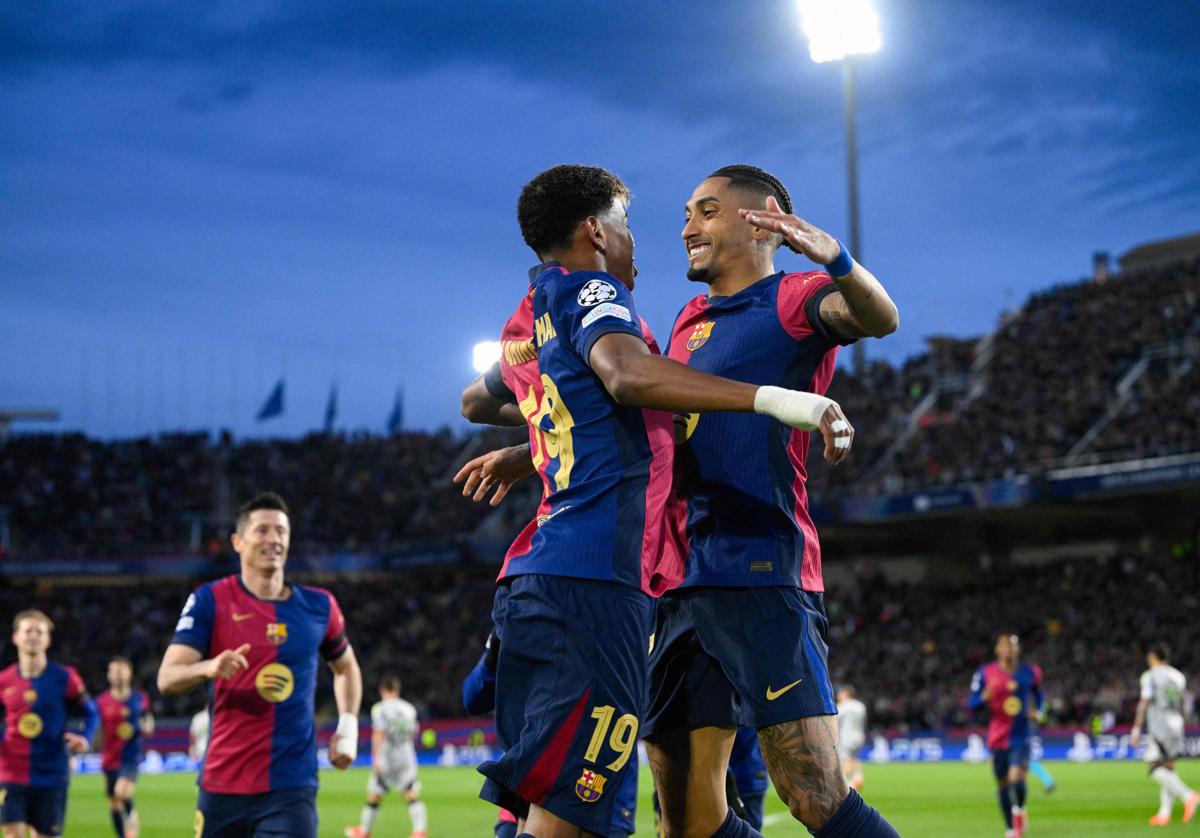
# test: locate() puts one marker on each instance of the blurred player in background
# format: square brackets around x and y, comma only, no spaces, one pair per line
[583,367]
[1012,693]
[852,735]
[749,775]
[198,734]
[393,760]
[256,640]
[125,717]
[1160,714]
[38,695]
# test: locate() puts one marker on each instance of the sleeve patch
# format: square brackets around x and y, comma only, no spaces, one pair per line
[607,310]
[596,291]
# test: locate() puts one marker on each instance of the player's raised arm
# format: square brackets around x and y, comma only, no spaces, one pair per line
[488,401]
[860,307]
[634,376]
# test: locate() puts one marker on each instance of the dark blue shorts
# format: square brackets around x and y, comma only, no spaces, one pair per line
[284,813]
[1016,754]
[737,657]
[570,688]
[45,809]
[129,772]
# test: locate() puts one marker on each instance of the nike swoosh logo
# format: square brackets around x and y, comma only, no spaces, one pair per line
[774,694]
[237,618]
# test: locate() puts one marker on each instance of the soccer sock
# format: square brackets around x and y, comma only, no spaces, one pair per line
[1165,801]
[1005,805]
[1018,789]
[118,820]
[735,827]
[369,813]
[1042,774]
[129,806]
[1169,780]
[856,819]
[417,814]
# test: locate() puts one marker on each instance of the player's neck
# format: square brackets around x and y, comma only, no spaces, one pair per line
[31,666]
[740,278]
[265,585]
[121,694]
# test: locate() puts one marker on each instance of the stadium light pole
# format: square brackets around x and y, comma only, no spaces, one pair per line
[838,30]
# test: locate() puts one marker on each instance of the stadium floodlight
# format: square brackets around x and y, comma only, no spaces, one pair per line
[837,29]
[484,354]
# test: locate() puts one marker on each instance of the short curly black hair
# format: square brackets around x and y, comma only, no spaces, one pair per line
[758,182]
[553,204]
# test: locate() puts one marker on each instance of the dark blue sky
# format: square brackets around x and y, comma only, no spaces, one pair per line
[198,198]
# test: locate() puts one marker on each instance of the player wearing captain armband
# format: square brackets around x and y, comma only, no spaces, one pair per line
[573,603]
[254,640]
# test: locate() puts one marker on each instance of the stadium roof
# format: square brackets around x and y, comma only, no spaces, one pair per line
[1161,252]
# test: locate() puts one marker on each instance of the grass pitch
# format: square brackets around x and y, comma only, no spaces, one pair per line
[1096,800]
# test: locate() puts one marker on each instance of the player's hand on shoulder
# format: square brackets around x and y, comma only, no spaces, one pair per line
[804,238]
[837,432]
[76,744]
[228,663]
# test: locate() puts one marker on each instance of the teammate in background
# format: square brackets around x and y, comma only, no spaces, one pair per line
[1012,692]
[852,735]
[749,775]
[257,639]
[198,735]
[393,760]
[1160,711]
[579,579]
[125,717]
[38,695]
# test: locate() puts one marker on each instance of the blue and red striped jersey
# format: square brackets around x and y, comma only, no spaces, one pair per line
[1011,698]
[32,750]
[605,468]
[263,734]
[742,475]
[119,719]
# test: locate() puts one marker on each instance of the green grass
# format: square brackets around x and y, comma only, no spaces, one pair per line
[1096,800]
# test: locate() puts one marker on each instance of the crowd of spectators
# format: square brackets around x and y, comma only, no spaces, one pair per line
[909,649]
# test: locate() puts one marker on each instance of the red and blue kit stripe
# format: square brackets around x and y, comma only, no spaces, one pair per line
[119,719]
[32,750]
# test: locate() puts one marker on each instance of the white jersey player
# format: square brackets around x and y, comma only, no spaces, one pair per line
[393,760]
[852,734]
[1160,710]
[198,735]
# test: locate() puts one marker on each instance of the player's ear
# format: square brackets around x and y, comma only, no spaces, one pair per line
[594,231]
[235,539]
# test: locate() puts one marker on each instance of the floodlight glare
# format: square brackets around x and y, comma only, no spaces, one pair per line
[838,28]
[484,354]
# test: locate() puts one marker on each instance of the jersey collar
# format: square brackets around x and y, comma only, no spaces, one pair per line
[538,270]
[748,291]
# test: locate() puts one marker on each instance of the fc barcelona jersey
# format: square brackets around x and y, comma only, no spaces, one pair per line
[32,750]
[263,735]
[120,720]
[741,476]
[605,467]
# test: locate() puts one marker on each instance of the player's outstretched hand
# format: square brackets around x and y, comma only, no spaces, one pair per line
[76,744]
[229,663]
[804,238]
[838,434]
[495,469]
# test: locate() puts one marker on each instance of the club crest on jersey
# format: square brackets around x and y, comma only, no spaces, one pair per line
[699,335]
[30,696]
[595,292]
[590,786]
[276,633]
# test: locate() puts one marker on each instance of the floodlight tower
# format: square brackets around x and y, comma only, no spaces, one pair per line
[838,30]
[484,354]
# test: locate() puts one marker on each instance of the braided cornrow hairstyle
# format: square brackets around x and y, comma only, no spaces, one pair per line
[760,182]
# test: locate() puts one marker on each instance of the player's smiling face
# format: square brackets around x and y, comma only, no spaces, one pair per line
[715,236]
[618,243]
[263,543]
[32,636]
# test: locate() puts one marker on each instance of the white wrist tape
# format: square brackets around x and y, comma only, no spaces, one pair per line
[791,407]
[345,738]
